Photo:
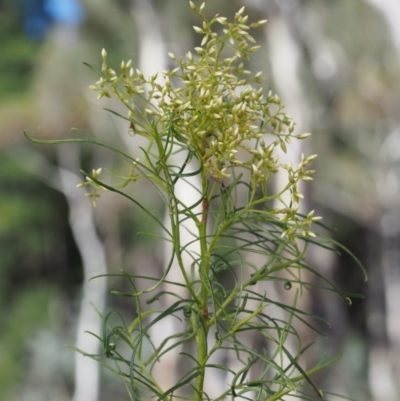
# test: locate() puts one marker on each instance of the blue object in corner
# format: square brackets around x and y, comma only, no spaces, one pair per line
[40,15]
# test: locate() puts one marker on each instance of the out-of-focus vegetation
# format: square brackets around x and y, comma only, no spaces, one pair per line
[18,56]
[350,78]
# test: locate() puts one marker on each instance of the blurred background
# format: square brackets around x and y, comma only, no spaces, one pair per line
[335,64]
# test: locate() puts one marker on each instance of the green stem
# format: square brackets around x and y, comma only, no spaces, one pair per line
[202,317]
[201,344]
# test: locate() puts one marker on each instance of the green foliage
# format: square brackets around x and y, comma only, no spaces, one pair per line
[27,206]
[18,54]
[29,313]
[230,135]
[30,229]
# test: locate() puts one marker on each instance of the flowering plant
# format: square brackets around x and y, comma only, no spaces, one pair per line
[209,120]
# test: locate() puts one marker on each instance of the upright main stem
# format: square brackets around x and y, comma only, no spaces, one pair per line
[202,317]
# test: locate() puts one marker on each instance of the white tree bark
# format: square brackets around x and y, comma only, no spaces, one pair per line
[83,226]
[64,44]
[384,374]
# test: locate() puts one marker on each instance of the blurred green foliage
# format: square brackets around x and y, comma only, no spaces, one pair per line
[18,53]
[28,313]
[35,266]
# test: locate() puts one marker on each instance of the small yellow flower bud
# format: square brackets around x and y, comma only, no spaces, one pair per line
[317,218]
[96,173]
[198,30]
[303,136]
[139,74]
[237,162]
[311,158]
[240,12]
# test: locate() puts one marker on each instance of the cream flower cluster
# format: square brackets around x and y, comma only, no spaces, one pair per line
[211,104]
